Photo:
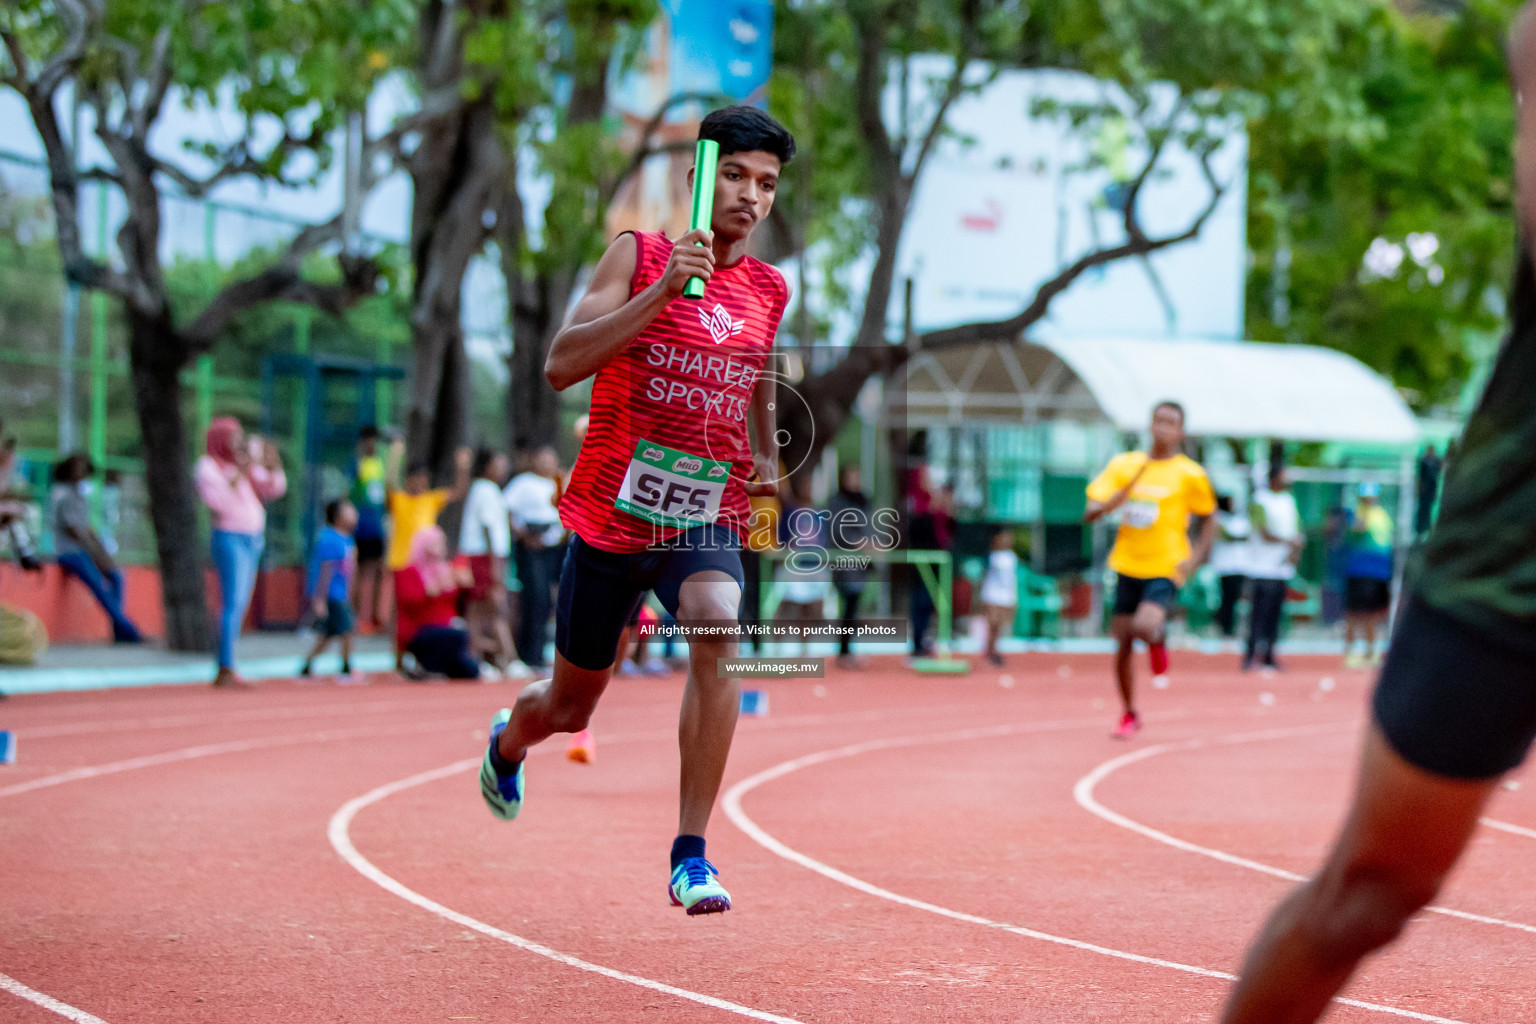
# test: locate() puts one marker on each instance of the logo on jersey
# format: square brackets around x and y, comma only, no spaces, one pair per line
[687,464]
[720,325]
[654,454]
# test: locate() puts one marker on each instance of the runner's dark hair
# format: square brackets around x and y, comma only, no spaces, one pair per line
[1169,403]
[742,129]
[333,509]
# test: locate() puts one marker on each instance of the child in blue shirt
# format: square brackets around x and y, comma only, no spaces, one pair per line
[330,581]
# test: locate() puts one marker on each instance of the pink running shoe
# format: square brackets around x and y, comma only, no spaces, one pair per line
[1157,654]
[583,748]
[1129,726]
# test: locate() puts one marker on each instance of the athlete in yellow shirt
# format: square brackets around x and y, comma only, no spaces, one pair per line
[1158,493]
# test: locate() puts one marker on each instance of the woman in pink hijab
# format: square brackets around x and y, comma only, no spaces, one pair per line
[236,479]
[426,602]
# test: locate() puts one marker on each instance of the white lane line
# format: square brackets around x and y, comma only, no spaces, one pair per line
[1504,826]
[47,1002]
[1083,793]
[341,822]
[320,736]
[384,707]
[212,749]
[738,817]
[218,720]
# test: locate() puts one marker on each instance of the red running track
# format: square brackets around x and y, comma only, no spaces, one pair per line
[900,849]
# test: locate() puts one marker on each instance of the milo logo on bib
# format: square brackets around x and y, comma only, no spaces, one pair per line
[672,488]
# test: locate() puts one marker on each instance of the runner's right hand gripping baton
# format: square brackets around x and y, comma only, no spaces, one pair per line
[704,165]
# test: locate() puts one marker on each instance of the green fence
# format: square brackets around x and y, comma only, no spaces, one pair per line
[64,377]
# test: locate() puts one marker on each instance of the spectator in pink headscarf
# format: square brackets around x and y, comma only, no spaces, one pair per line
[236,479]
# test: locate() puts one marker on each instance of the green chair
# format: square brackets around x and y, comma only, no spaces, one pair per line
[1199,598]
[1040,605]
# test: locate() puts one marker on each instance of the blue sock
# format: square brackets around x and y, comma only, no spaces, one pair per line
[684,847]
[500,767]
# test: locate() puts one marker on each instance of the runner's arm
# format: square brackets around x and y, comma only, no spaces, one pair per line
[607,319]
[764,428]
[1202,549]
[1099,509]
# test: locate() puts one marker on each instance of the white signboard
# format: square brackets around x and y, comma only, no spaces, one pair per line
[1004,207]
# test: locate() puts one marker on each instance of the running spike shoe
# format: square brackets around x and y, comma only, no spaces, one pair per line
[503,796]
[696,888]
[1129,726]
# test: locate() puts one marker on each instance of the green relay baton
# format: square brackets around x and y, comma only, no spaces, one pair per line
[704,165]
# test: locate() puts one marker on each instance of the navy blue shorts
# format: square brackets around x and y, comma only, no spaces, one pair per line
[1130,592]
[1455,700]
[600,591]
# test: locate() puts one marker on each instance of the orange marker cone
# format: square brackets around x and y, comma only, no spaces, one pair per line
[583,748]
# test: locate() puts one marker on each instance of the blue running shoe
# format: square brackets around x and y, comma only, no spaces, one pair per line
[696,888]
[503,796]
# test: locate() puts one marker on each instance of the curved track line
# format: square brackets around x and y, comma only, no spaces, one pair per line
[320,736]
[1504,826]
[732,806]
[212,749]
[47,1002]
[1082,792]
[216,719]
[341,821]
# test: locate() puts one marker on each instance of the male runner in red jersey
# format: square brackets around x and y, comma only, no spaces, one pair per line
[658,497]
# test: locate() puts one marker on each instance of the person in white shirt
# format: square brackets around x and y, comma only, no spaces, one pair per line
[1229,560]
[530,500]
[1000,592]
[485,539]
[1272,555]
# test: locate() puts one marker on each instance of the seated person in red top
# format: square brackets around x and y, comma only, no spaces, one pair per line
[426,602]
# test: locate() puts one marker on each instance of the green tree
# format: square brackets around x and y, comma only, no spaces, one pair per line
[294,70]
[585,157]
[1220,61]
[1394,244]
[473,66]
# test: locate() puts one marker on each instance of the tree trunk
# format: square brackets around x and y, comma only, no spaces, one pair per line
[156,358]
[827,398]
[535,406]
[438,422]
[457,173]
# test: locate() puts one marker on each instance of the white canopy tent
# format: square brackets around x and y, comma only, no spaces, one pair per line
[1228,389]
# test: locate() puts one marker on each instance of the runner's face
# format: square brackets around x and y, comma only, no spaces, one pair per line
[1167,427]
[745,185]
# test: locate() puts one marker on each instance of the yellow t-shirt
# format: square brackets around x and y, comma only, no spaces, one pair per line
[1154,521]
[410,512]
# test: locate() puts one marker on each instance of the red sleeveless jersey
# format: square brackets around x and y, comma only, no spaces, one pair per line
[680,392]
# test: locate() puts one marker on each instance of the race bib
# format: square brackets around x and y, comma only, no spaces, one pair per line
[1140,515]
[672,488]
